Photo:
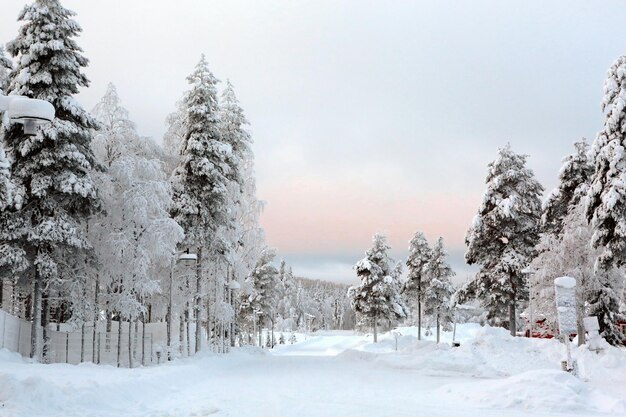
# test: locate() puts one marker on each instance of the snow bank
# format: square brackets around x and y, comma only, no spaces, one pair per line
[544,389]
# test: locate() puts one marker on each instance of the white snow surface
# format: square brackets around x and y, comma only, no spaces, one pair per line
[334,374]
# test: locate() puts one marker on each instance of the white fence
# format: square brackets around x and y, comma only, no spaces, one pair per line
[136,347]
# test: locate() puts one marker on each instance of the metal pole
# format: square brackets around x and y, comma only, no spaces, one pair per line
[169,313]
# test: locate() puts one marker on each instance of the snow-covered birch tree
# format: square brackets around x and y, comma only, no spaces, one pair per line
[503,235]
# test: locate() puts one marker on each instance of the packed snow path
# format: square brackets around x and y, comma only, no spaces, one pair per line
[333,374]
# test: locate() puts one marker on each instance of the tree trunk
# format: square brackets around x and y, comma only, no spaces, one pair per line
[95,319]
[130,344]
[376,329]
[181,334]
[143,339]
[438,329]
[512,326]
[107,342]
[419,316]
[119,341]
[580,314]
[35,340]
[82,342]
[198,299]
[46,320]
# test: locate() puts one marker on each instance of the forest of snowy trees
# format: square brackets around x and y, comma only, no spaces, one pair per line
[99,224]
[521,245]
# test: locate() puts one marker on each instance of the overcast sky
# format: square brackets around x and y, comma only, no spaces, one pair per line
[367,115]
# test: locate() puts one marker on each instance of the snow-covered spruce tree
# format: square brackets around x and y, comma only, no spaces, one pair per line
[503,235]
[6,65]
[574,178]
[606,204]
[174,136]
[133,236]
[53,166]
[606,208]
[262,291]
[377,297]
[200,182]
[438,289]
[419,254]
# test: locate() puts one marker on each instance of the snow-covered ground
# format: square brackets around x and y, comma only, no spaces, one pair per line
[333,374]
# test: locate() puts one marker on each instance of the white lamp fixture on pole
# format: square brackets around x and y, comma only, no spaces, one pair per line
[29,112]
[187,259]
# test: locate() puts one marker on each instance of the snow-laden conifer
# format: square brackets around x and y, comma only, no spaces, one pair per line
[503,235]
[438,289]
[6,65]
[419,254]
[377,297]
[606,207]
[574,178]
[53,166]
[201,180]
[262,291]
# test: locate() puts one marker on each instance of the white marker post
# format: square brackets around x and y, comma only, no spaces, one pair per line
[565,296]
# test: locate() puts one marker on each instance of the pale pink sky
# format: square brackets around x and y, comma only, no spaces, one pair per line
[368,116]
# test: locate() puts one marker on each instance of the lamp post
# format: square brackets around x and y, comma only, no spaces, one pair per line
[188,259]
[26,111]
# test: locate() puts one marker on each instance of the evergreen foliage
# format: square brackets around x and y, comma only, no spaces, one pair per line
[378,295]
[54,166]
[606,208]
[438,288]
[574,179]
[504,234]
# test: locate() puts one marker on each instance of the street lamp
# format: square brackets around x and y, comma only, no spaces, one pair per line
[29,112]
[188,259]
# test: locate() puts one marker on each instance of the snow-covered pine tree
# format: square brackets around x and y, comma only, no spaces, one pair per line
[419,254]
[262,289]
[53,166]
[6,65]
[504,234]
[233,131]
[377,297]
[174,136]
[438,289]
[606,207]
[201,180]
[606,204]
[574,178]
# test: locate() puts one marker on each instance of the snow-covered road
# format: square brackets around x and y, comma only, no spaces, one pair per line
[347,377]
